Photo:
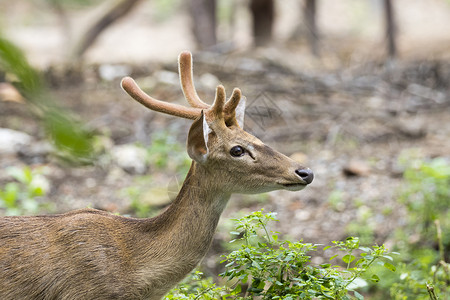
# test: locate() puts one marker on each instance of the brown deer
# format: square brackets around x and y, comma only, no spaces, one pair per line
[91,254]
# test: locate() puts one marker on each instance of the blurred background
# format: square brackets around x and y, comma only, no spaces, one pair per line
[358,90]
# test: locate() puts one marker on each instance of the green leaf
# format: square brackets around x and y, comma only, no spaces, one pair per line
[365,249]
[389,266]
[11,194]
[256,265]
[37,191]
[348,258]
[334,256]
[375,278]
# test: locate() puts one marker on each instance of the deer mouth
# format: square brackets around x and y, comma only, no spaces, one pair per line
[294,186]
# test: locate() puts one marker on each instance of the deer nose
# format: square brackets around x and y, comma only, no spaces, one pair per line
[306,175]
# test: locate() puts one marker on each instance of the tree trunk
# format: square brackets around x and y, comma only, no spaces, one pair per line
[203,14]
[309,14]
[390,28]
[263,13]
[116,11]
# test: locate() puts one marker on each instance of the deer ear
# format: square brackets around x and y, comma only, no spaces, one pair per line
[197,144]
[240,112]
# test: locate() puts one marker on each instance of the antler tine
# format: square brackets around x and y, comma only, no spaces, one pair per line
[216,110]
[187,82]
[132,89]
[233,101]
[235,109]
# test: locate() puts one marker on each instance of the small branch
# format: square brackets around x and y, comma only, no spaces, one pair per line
[116,11]
[267,234]
[439,238]
[442,261]
[431,292]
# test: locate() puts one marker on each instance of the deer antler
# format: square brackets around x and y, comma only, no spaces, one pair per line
[227,109]
[130,86]
[187,83]
[185,70]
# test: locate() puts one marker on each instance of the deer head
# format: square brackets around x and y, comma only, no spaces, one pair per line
[237,161]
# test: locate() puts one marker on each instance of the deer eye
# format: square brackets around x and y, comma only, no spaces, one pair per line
[237,151]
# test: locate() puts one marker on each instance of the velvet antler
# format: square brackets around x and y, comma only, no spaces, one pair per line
[220,108]
[130,86]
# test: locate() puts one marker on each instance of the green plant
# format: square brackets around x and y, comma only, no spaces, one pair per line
[196,286]
[426,195]
[424,272]
[275,269]
[424,240]
[267,267]
[20,196]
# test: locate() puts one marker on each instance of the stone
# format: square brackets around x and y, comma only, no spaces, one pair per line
[131,158]
[356,168]
[12,140]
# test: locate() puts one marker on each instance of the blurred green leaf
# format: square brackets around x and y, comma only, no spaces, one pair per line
[348,258]
[389,266]
[69,135]
[10,194]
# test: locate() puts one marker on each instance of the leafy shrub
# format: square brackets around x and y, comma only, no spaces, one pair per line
[425,241]
[195,286]
[267,267]
[426,195]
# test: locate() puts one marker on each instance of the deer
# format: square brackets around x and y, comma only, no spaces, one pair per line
[93,254]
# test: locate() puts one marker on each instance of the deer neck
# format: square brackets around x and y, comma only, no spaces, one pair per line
[197,208]
[182,234]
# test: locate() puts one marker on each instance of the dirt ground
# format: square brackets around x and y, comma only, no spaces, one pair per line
[351,116]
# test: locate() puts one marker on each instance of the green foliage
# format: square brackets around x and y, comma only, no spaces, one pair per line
[267,267]
[69,135]
[195,286]
[277,269]
[427,195]
[20,196]
[424,240]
